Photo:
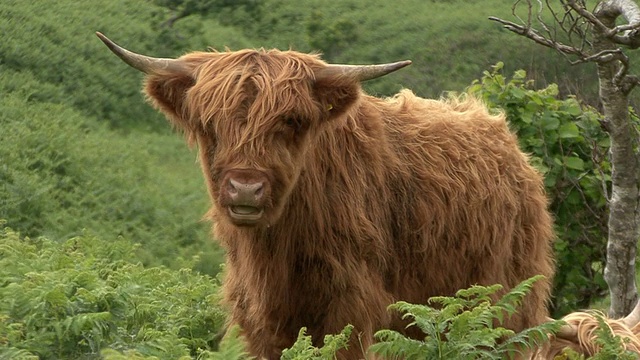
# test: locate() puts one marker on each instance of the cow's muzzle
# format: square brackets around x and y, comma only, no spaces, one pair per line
[245,193]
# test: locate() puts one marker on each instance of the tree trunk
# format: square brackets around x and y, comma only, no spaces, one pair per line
[623,205]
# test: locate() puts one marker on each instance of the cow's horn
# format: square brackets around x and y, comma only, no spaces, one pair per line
[633,318]
[146,64]
[360,72]
[567,332]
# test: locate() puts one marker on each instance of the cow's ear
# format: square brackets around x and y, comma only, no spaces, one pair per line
[337,94]
[167,93]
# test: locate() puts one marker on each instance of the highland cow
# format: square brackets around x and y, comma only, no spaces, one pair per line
[332,204]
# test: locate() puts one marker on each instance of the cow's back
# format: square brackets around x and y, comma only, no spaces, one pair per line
[468,208]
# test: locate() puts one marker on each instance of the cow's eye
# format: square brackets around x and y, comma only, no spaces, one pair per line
[293,122]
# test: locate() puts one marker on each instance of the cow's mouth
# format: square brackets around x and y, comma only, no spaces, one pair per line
[245,214]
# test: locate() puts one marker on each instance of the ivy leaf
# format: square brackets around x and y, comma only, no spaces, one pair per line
[568,131]
[549,121]
[574,110]
[573,162]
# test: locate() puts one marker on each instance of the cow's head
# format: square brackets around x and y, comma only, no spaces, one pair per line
[253,114]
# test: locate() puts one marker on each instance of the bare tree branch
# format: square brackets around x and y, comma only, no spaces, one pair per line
[535,36]
[599,40]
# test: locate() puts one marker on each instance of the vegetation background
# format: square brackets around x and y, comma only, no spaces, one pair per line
[83,160]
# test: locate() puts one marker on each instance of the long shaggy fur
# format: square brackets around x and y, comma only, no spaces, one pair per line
[373,200]
[587,324]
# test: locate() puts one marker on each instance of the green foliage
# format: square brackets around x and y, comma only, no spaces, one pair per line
[61,173]
[232,347]
[303,348]
[462,327]
[70,300]
[331,36]
[53,48]
[566,143]
[186,25]
[181,9]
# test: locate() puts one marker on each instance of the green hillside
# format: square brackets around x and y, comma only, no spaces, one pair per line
[81,152]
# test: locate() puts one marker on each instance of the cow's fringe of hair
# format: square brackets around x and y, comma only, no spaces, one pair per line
[587,325]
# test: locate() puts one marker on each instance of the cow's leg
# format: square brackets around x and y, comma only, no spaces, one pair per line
[264,337]
[363,305]
[266,344]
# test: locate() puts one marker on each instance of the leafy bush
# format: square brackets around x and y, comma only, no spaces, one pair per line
[567,145]
[71,299]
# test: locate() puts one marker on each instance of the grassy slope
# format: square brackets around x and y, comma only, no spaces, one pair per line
[83,151]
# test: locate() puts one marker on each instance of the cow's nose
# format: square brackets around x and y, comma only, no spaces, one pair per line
[248,193]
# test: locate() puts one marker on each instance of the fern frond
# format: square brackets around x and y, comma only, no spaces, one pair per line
[462,327]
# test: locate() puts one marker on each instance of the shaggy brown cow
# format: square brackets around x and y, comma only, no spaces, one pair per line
[332,204]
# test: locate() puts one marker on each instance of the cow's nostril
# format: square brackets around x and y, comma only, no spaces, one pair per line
[259,191]
[232,189]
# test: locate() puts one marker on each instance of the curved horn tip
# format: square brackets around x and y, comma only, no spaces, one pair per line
[360,72]
[404,63]
[121,52]
[106,40]
[146,64]
[633,318]
[398,65]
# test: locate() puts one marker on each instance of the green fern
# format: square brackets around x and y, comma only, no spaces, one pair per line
[74,299]
[462,327]
[17,354]
[303,348]
[611,346]
[232,347]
